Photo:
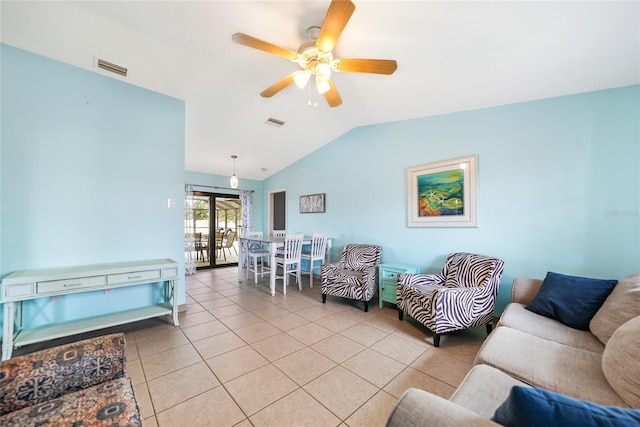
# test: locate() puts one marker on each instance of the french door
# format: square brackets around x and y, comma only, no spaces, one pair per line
[217,219]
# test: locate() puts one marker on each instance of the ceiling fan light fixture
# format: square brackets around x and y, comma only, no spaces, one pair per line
[322,85]
[301,78]
[323,71]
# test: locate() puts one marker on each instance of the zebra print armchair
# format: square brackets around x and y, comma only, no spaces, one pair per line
[461,297]
[354,276]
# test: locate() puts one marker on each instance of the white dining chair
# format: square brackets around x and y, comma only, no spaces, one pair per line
[290,260]
[256,255]
[316,253]
[279,234]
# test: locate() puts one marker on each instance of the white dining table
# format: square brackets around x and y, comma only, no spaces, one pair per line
[273,243]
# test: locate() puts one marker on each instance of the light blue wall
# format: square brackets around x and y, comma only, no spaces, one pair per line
[559,186]
[88,163]
[204,179]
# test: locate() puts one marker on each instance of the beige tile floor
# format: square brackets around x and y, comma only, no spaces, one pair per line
[241,357]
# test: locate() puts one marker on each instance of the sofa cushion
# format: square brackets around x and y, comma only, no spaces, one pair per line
[517,317]
[484,389]
[530,407]
[622,304]
[47,374]
[620,362]
[111,403]
[571,300]
[547,364]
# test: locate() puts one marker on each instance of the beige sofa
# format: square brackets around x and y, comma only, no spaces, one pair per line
[526,349]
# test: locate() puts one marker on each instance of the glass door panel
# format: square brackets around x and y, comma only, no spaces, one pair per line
[202,228]
[215,223]
[228,223]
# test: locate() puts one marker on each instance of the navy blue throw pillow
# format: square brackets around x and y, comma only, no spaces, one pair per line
[571,300]
[534,407]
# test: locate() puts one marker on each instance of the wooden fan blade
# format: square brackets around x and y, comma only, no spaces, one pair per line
[332,96]
[334,22]
[277,86]
[376,66]
[247,40]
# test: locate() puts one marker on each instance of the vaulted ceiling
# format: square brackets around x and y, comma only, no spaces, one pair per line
[452,56]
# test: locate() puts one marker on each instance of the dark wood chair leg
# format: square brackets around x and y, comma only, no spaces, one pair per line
[366,306]
[489,328]
[436,340]
[324,298]
[400,314]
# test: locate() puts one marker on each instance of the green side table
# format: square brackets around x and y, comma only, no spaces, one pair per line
[388,279]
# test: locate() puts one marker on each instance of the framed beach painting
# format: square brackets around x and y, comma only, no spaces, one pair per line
[443,194]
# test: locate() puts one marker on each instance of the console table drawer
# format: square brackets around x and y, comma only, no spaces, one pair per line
[170,272]
[114,279]
[18,290]
[67,285]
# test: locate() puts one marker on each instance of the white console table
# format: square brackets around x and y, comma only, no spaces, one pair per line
[25,285]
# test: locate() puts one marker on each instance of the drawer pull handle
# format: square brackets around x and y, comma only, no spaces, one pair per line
[70,285]
[134,277]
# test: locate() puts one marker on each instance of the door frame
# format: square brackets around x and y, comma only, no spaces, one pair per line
[213,221]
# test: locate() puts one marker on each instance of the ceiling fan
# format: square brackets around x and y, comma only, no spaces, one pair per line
[315,57]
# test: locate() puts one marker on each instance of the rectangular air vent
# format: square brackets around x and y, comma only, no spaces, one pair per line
[113,68]
[274,122]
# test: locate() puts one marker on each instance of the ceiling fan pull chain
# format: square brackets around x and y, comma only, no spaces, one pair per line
[315,94]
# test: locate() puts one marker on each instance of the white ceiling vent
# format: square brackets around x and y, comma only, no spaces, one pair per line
[274,122]
[111,67]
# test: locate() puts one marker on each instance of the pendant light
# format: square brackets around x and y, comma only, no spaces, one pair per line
[233,181]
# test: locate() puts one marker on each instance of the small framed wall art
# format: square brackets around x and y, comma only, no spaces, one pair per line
[443,194]
[312,203]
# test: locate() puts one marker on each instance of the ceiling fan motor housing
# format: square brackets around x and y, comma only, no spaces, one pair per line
[309,58]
